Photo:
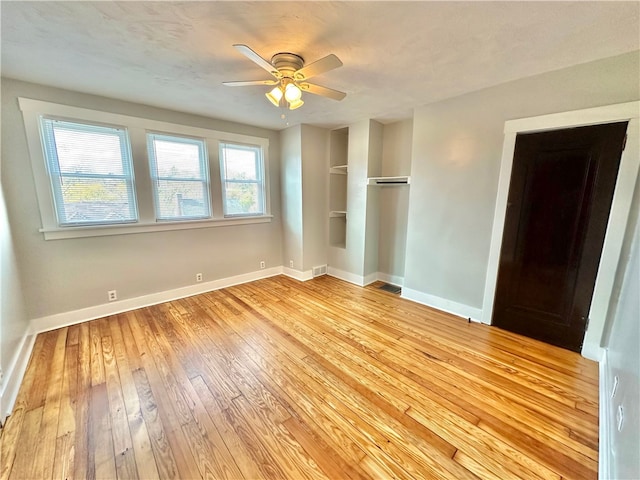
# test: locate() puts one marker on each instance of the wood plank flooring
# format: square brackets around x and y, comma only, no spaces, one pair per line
[316,380]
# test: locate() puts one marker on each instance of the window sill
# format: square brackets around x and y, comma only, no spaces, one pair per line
[128,228]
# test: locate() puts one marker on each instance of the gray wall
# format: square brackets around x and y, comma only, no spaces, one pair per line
[623,359]
[13,318]
[315,142]
[351,258]
[65,275]
[457,147]
[292,235]
[394,201]
[377,216]
[337,196]
[360,257]
[372,213]
[304,202]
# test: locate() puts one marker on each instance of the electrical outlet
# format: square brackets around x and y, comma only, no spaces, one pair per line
[290,263]
[262,264]
[198,277]
[113,295]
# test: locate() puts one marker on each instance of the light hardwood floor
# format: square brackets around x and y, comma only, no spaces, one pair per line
[283,379]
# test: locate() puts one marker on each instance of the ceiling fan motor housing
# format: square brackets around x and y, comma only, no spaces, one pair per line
[287,63]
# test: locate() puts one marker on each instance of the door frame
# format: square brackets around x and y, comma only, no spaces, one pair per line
[618,218]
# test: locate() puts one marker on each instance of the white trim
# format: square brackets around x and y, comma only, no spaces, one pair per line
[297,274]
[592,351]
[587,116]
[396,280]
[459,309]
[14,375]
[604,417]
[346,276]
[491,279]
[124,229]
[628,172]
[39,107]
[369,279]
[363,281]
[59,320]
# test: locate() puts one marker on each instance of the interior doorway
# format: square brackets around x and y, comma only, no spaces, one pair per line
[621,205]
[560,196]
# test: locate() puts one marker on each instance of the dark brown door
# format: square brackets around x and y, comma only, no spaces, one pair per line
[560,196]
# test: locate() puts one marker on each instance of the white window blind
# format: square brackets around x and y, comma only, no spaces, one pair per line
[180,177]
[91,173]
[242,170]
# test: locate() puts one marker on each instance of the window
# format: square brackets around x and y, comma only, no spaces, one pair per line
[241,168]
[90,171]
[103,173]
[180,177]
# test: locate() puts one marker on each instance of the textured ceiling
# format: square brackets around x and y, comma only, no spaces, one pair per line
[396,55]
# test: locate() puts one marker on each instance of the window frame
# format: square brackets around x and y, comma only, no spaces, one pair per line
[261,181]
[137,128]
[205,181]
[54,174]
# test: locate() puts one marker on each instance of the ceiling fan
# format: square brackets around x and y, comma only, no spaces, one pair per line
[291,76]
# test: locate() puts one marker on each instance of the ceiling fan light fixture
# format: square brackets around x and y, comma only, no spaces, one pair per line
[289,69]
[293,104]
[275,95]
[292,92]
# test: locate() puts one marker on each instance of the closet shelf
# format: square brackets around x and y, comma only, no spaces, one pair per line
[338,169]
[389,181]
[337,213]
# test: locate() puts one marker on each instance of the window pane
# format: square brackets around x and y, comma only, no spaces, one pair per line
[95,200]
[241,164]
[241,168]
[181,179]
[90,172]
[242,198]
[88,152]
[181,199]
[180,160]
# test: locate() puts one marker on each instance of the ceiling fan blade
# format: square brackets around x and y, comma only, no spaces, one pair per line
[250,82]
[316,68]
[257,59]
[324,91]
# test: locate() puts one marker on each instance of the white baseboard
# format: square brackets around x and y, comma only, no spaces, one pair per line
[592,351]
[346,276]
[297,274]
[459,309]
[14,374]
[361,280]
[369,279]
[604,443]
[392,279]
[59,320]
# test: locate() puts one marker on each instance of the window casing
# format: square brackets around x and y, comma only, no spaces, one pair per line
[142,184]
[180,177]
[242,172]
[90,171]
